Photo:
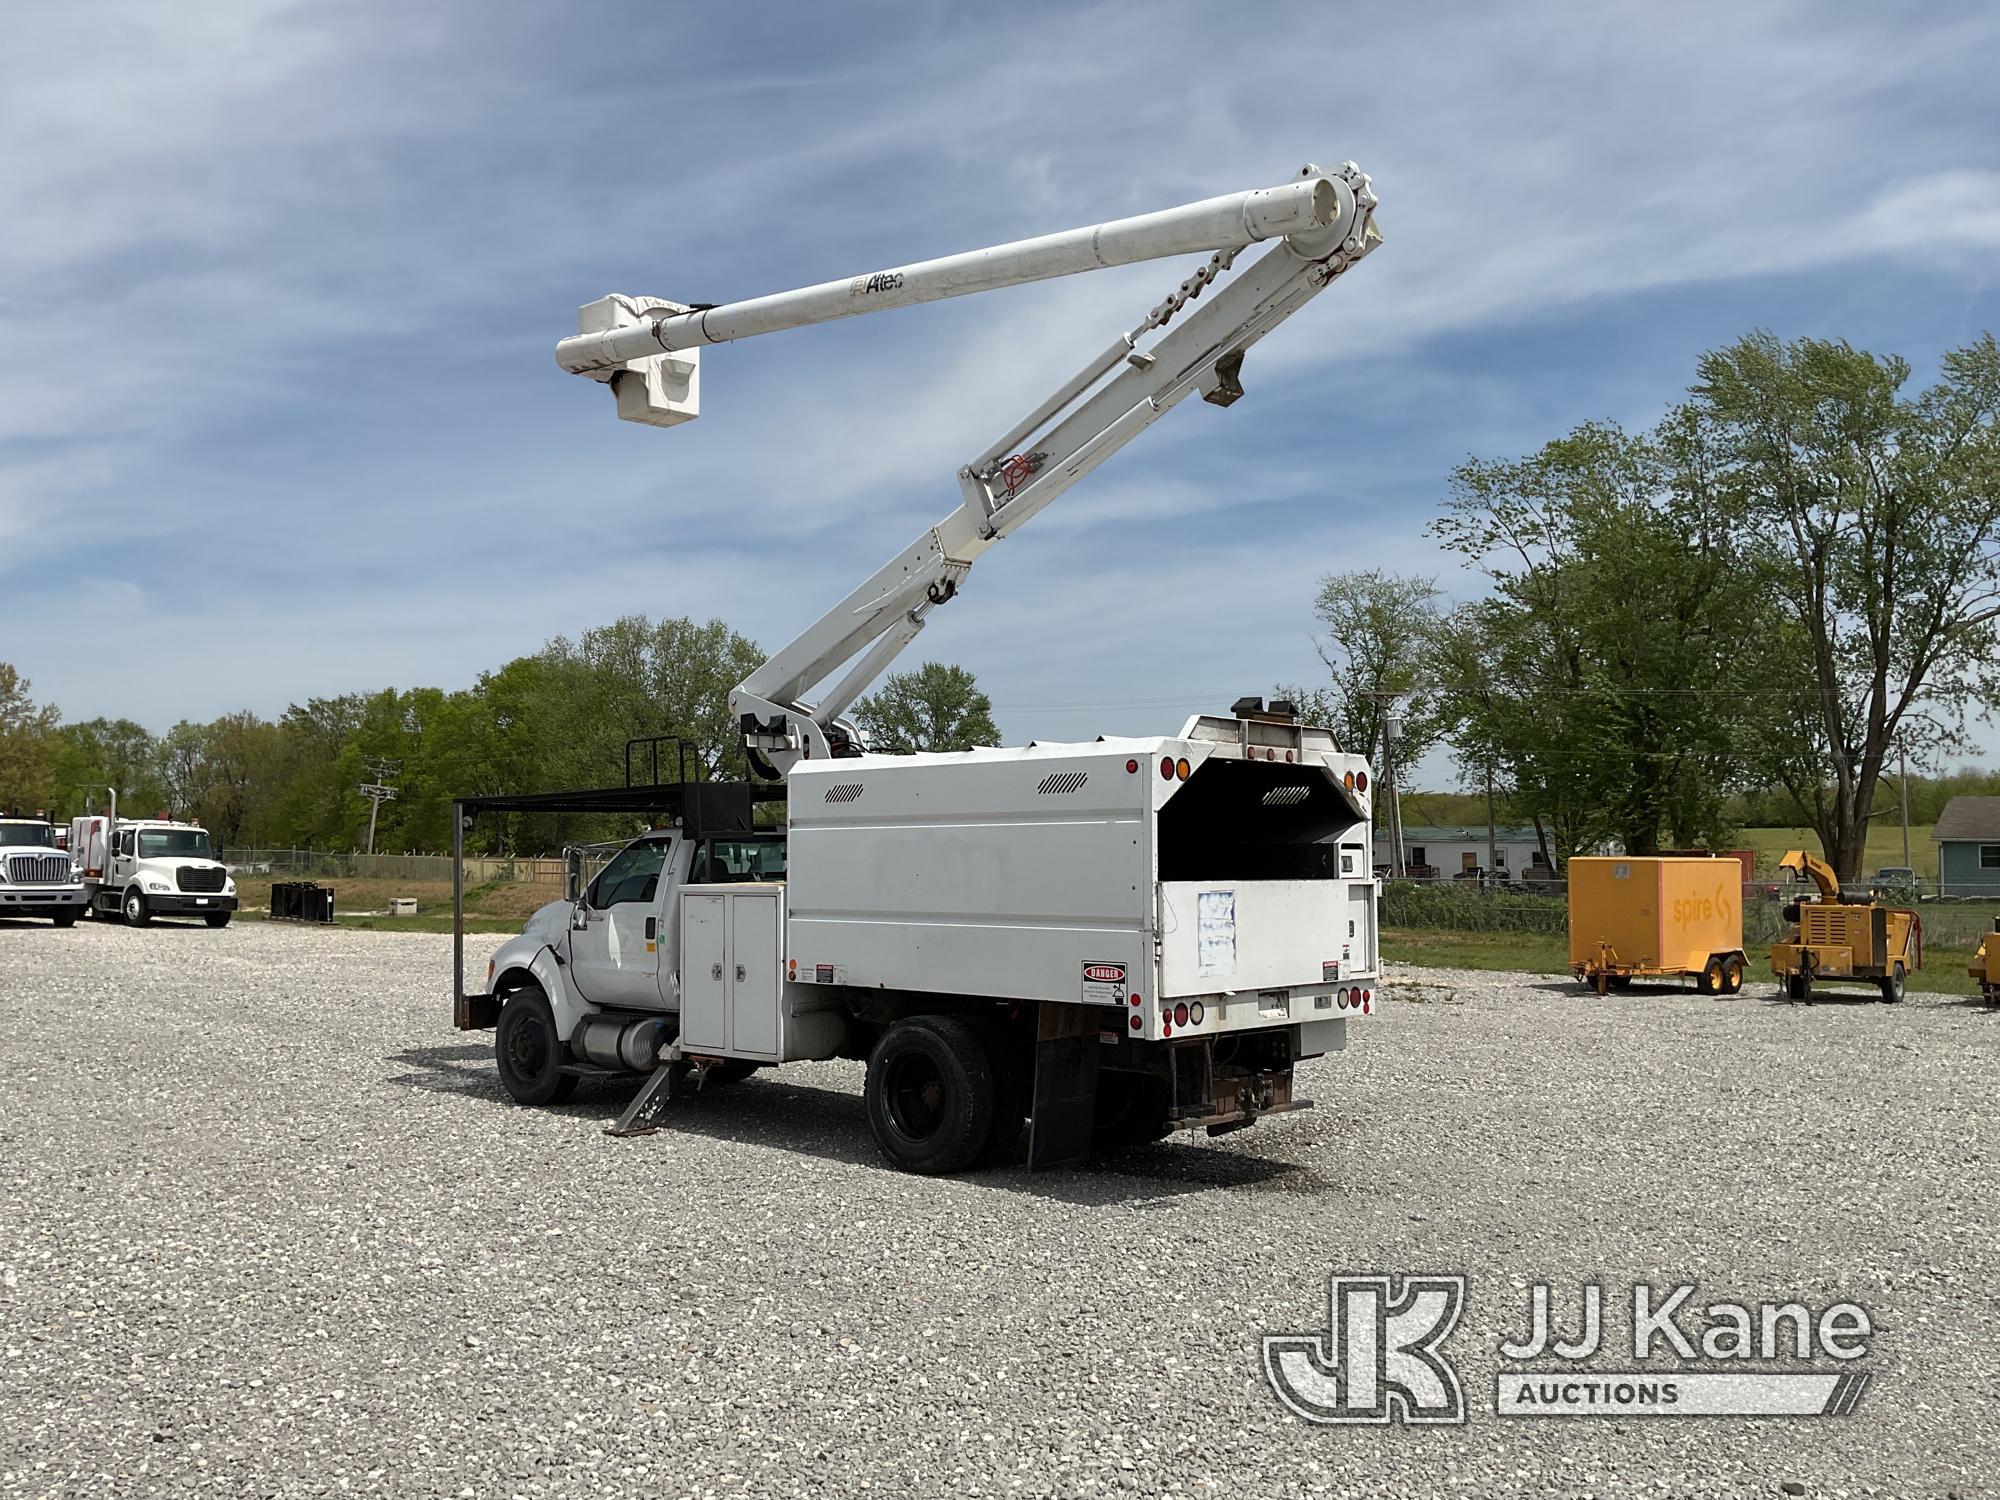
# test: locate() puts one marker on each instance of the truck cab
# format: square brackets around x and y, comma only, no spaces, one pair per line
[37,878]
[142,868]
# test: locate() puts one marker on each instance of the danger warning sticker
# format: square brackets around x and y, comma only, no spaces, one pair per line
[1104,983]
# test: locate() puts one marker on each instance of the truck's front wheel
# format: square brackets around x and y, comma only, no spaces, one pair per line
[930,1094]
[529,1052]
[136,913]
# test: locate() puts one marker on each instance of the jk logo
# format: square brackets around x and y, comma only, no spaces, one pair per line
[1379,1360]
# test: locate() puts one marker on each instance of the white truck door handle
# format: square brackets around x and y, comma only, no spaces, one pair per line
[715,971]
[739,974]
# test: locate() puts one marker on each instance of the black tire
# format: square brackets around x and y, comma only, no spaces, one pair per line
[1709,981]
[135,910]
[1131,1111]
[930,1094]
[1895,986]
[528,1052]
[217,919]
[1732,974]
[1621,982]
[67,918]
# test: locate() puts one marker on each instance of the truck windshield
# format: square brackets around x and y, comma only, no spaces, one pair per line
[174,843]
[27,836]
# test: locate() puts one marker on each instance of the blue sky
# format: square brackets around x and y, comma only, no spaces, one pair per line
[280,283]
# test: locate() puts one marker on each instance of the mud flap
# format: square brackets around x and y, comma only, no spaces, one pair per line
[1064,1107]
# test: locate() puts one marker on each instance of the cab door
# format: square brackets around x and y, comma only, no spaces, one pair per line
[615,938]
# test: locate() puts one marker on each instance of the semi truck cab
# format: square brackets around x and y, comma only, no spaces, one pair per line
[37,879]
[141,868]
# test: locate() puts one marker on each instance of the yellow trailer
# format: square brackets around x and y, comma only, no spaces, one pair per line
[1655,916]
[1986,965]
[1844,937]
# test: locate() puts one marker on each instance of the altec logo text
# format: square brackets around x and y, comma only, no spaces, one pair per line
[1382,1359]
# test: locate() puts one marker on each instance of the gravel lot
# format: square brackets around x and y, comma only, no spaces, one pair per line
[268,1227]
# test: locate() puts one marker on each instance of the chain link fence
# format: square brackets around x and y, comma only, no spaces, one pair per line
[1467,906]
[319,864]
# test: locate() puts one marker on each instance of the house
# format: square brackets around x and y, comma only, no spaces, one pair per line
[1446,852]
[1968,840]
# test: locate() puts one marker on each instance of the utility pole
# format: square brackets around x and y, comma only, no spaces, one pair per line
[1392,730]
[377,790]
[1903,776]
[1492,833]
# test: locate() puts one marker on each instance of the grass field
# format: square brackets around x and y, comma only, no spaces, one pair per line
[1944,971]
[497,906]
[1885,847]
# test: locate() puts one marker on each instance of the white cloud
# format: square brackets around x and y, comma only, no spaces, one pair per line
[280,284]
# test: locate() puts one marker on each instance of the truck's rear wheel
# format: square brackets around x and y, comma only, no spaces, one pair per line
[136,912]
[930,1094]
[528,1050]
[1893,987]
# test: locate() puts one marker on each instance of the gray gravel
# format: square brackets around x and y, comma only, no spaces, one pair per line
[268,1227]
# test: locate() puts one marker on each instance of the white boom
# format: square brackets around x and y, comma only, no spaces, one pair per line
[647,350]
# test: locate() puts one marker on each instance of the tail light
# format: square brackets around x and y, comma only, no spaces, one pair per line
[1360,781]
[1136,1023]
[1167,767]
[1196,1012]
[1181,1014]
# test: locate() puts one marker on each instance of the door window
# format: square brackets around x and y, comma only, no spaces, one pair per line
[632,875]
[125,843]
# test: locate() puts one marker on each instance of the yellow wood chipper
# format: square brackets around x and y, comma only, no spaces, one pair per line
[1986,965]
[1844,937]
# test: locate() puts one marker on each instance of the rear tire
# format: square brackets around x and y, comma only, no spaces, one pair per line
[1895,986]
[1709,981]
[67,918]
[1732,974]
[136,912]
[930,1094]
[217,919]
[528,1051]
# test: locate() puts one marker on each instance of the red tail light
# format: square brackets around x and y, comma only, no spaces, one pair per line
[1360,781]
[1180,1014]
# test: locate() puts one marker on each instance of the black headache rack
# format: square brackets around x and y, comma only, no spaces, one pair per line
[702,809]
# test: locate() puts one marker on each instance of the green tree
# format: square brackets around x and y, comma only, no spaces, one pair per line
[27,745]
[1873,519]
[935,707]
[96,754]
[1377,635]
[1599,681]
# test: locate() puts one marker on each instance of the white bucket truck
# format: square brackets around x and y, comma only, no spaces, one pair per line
[37,879]
[1110,939]
[142,868]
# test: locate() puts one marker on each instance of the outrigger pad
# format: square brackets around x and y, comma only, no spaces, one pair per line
[642,1115]
[1064,1108]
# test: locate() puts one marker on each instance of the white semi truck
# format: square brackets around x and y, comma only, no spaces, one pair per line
[37,879]
[1110,939]
[142,868]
